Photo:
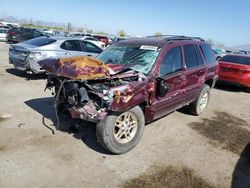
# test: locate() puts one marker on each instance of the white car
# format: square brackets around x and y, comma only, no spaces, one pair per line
[219,53]
[94,41]
[3,33]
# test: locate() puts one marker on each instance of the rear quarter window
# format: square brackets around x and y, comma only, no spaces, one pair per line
[191,59]
[40,41]
[208,54]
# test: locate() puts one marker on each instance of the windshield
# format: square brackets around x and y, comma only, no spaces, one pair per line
[141,58]
[236,59]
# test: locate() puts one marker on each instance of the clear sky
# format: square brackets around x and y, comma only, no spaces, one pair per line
[225,21]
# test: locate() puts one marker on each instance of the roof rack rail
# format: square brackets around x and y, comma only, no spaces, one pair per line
[179,37]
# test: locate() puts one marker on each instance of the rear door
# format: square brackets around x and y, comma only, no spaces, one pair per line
[28,34]
[171,70]
[194,71]
[210,61]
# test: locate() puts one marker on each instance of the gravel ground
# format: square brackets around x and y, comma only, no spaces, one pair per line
[214,146]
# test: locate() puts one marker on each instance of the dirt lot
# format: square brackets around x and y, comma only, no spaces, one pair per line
[179,150]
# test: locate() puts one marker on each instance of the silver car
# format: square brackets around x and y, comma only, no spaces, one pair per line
[24,56]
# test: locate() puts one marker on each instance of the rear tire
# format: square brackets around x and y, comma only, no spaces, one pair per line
[20,40]
[200,104]
[120,132]
[218,58]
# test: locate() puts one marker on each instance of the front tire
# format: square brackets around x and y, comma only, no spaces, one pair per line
[200,104]
[120,132]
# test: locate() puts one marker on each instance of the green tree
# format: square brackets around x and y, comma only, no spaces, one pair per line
[121,33]
[157,34]
[220,45]
[211,42]
[101,33]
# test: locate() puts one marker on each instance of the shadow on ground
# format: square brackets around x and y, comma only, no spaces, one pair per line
[23,74]
[241,174]
[79,129]
[225,86]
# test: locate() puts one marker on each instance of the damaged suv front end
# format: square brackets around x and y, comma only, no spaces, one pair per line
[92,89]
[91,99]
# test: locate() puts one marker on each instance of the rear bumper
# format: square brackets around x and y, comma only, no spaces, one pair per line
[11,39]
[243,80]
[26,66]
[2,39]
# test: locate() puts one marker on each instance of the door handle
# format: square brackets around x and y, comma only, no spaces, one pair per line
[202,71]
[180,79]
[177,80]
[89,55]
[183,77]
[194,76]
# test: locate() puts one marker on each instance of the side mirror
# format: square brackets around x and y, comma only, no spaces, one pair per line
[162,87]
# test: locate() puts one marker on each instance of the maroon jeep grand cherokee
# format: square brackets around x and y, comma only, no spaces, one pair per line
[133,82]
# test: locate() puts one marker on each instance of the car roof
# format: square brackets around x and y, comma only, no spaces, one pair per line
[159,41]
[153,41]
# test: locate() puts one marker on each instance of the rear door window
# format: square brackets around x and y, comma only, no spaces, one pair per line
[72,45]
[37,33]
[191,59]
[208,54]
[199,56]
[172,62]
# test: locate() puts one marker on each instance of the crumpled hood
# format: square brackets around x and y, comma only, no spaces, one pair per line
[80,67]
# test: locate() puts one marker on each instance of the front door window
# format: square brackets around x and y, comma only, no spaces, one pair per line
[172,62]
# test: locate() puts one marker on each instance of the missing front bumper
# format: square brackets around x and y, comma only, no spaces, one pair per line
[87,112]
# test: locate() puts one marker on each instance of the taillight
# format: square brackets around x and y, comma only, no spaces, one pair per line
[12,33]
[217,68]
[245,71]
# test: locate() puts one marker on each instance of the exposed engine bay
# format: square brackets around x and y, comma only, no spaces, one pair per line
[91,99]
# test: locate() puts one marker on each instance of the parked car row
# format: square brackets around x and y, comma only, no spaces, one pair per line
[21,34]
[101,38]
[219,53]
[130,83]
